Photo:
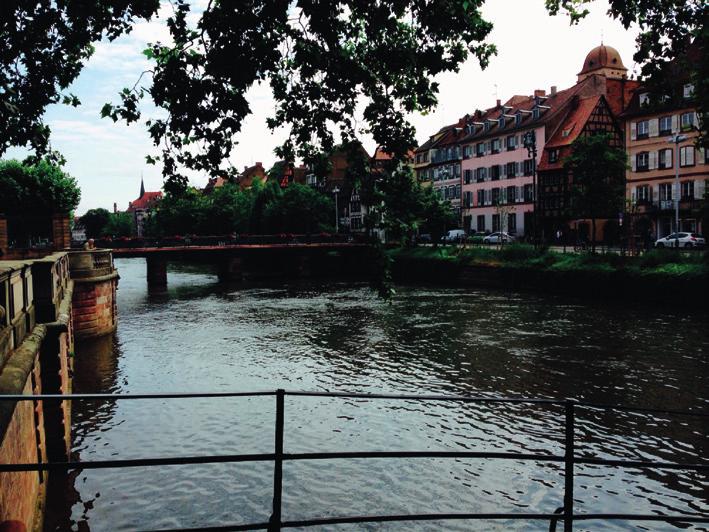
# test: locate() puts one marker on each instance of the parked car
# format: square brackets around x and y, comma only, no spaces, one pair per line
[424,238]
[496,238]
[454,235]
[683,240]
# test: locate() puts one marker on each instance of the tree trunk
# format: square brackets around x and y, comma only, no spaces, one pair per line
[593,235]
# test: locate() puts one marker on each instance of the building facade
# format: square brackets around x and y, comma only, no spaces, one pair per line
[657,163]
[140,208]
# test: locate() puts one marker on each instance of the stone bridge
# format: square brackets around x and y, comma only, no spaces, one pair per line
[262,261]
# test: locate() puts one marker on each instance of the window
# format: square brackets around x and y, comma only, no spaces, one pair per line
[687,190]
[496,146]
[480,149]
[688,90]
[481,198]
[528,192]
[511,194]
[666,192]
[311,179]
[483,174]
[535,113]
[553,156]
[468,152]
[664,158]
[467,176]
[457,191]
[511,170]
[495,196]
[512,222]
[518,118]
[644,99]
[643,129]
[481,221]
[511,143]
[686,156]
[665,125]
[495,172]
[495,223]
[642,161]
[642,194]
[687,121]
[468,198]
[527,167]
[501,122]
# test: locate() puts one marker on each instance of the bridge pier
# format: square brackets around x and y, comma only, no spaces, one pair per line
[231,269]
[157,272]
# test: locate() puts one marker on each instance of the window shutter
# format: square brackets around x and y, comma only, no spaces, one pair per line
[654,127]
[634,163]
[696,120]
[669,154]
[633,130]
[518,169]
[702,155]
[652,160]
[675,123]
[690,155]
[503,171]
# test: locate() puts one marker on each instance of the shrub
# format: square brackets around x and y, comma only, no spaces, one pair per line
[519,252]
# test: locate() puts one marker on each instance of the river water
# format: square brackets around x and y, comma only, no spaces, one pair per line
[205,336]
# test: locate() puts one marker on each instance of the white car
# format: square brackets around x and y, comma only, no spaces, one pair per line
[683,240]
[496,238]
[454,235]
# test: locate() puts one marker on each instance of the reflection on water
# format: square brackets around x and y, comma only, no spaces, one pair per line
[203,336]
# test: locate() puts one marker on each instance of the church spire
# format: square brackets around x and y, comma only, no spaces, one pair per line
[142,186]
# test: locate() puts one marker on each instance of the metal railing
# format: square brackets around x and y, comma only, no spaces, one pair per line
[565,513]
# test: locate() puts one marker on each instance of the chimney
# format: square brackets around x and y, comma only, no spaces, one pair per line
[553,90]
[259,164]
[539,93]
[499,103]
[115,208]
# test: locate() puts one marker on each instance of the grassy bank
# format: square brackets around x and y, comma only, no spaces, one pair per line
[658,277]
[663,263]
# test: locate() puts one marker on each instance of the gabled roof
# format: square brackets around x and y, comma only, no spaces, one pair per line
[569,130]
[146,201]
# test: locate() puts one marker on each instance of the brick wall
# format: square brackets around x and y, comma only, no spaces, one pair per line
[93,308]
[3,236]
[61,233]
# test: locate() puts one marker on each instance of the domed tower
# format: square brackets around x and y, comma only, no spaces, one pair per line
[603,60]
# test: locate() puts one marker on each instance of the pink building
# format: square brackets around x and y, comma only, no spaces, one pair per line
[498,192]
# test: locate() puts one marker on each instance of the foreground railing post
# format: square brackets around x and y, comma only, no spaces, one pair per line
[275,521]
[569,467]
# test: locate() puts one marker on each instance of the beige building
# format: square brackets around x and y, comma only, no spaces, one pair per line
[652,126]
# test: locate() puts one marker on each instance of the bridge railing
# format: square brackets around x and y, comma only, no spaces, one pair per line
[228,240]
[565,513]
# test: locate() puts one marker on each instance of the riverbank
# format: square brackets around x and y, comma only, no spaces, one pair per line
[660,276]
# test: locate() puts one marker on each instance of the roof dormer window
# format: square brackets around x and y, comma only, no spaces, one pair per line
[644,99]
[688,90]
[518,118]
[535,113]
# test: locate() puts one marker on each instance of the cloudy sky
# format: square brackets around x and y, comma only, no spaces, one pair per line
[535,51]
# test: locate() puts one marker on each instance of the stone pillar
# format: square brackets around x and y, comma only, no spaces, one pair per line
[231,269]
[94,300]
[157,272]
[61,234]
[4,241]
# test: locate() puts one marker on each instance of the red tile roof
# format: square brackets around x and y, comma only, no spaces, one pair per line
[146,201]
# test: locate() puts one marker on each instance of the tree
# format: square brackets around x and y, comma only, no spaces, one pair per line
[299,209]
[598,186]
[327,63]
[437,215]
[120,224]
[667,29]
[36,189]
[43,47]
[95,221]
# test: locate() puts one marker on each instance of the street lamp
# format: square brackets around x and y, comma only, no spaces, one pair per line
[336,191]
[529,140]
[676,139]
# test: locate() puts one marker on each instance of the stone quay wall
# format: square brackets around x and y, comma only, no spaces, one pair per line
[95,283]
[36,348]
